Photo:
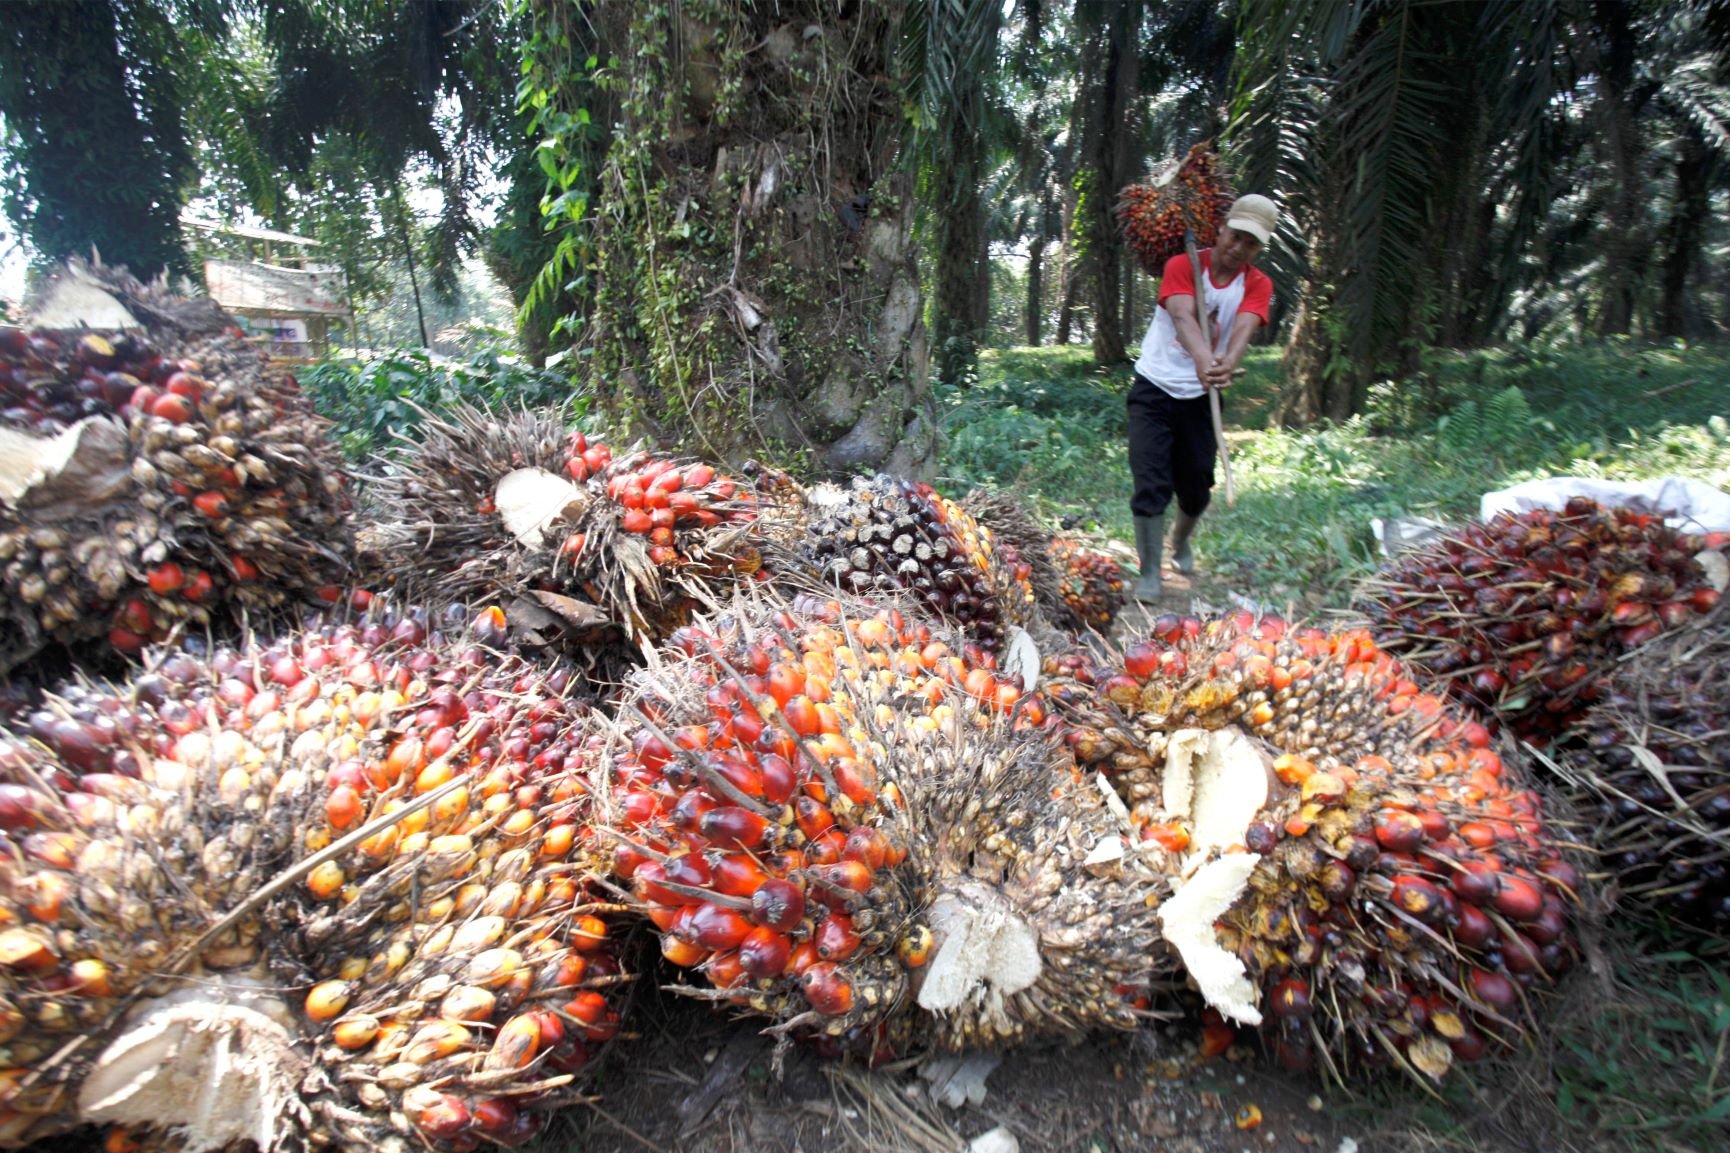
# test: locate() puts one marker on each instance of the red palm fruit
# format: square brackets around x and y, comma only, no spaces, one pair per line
[1290,998]
[835,938]
[737,875]
[848,876]
[827,988]
[778,904]
[764,952]
[1418,897]
[1519,898]
[1475,884]
[730,827]
[714,927]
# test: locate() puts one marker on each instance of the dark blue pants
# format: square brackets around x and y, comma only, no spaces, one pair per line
[1171,450]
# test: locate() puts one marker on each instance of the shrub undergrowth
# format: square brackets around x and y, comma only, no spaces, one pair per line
[371,401]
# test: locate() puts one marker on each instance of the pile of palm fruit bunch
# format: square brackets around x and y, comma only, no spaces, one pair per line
[1092,587]
[841,824]
[513,508]
[333,890]
[1650,771]
[155,477]
[1075,586]
[1358,871]
[1524,617]
[1192,195]
[884,535]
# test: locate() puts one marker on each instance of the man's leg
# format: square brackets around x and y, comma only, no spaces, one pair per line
[1192,476]
[1150,465]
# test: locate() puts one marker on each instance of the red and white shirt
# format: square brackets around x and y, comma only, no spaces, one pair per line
[1166,362]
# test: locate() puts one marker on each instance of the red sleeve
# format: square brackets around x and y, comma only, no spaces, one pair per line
[1178,279]
[1257,294]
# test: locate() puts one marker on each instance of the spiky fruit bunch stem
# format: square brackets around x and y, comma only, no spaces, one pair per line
[510,506]
[886,535]
[1523,617]
[1194,194]
[328,891]
[1650,769]
[1362,874]
[157,479]
[845,828]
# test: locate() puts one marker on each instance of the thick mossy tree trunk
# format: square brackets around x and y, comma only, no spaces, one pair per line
[756,289]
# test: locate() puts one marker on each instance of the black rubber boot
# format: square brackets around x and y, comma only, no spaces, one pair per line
[1149,546]
[1181,558]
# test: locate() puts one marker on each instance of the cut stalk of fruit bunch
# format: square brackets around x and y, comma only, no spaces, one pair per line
[1649,769]
[1525,616]
[886,535]
[330,890]
[839,824]
[512,506]
[157,479]
[1361,874]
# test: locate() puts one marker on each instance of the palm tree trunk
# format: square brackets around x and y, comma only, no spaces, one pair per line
[755,271]
[1035,288]
[1109,145]
[1687,223]
[1625,244]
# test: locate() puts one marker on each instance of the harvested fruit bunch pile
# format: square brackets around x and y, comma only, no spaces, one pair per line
[511,506]
[1020,538]
[839,823]
[1525,616]
[1093,587]
[1193,195]
[885,534]
[1358,871]
[154,479]
[1651,769]
[329,891]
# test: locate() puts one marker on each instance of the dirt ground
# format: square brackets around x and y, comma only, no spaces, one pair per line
[697,1082]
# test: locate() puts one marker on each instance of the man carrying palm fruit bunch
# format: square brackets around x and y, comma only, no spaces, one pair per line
[1171,438]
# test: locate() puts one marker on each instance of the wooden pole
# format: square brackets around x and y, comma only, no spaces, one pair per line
[1207,339]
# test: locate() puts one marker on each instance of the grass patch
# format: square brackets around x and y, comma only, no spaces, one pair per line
[1468,423]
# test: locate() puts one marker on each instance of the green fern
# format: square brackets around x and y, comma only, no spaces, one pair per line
[1463,428]
[1507,417]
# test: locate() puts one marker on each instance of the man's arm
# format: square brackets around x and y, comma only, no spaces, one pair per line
[1188,326]
[1219,375]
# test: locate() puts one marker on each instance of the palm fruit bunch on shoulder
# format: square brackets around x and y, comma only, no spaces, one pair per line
[885,535]
[1193,194]
[512,507]
[1649,769]
[839,824]
[156,478]
[329,890]
[1524,617]
[1093,587]
[1357,870]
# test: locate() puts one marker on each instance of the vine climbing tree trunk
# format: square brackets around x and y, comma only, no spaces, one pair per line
[755,278]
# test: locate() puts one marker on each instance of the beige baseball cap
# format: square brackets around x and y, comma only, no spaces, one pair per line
[1255,215]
